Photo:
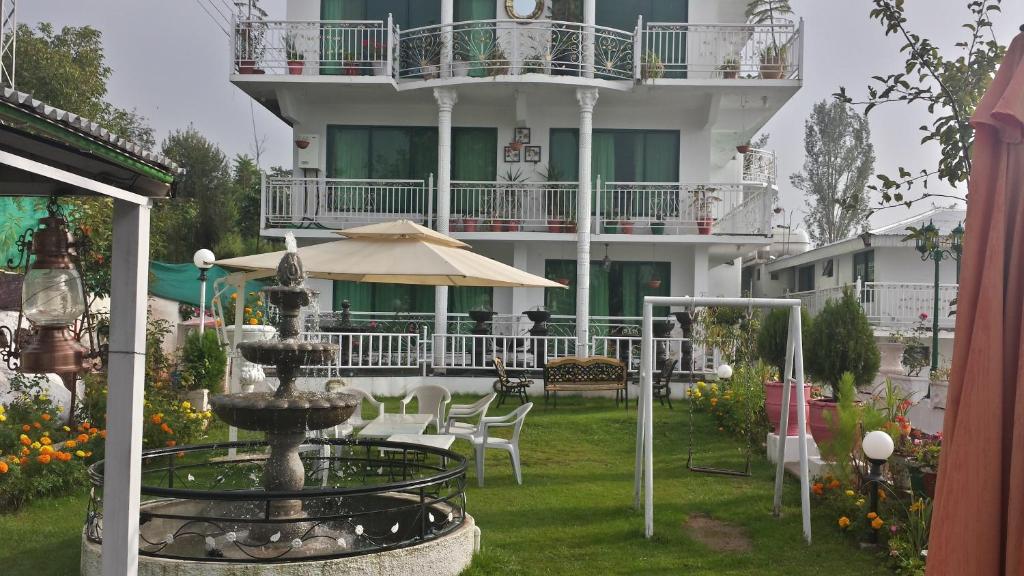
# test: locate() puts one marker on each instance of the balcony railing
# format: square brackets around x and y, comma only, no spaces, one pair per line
[619,207]
[483,48]
[340,203]
[759,167]
[674,208]
[891,304]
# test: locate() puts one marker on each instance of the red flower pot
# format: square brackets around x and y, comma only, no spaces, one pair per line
[821,425]
[654,284]
[563,281]
[469,224]
[295,67]
[512,227]
[743,148]
[773,406]
[704,226]
[555,226]
[246,66]
[626,227]
[497,226]
[570,227]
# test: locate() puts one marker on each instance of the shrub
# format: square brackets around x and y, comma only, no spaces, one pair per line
[774,334]
[737,404]
[841,340]
[203,362]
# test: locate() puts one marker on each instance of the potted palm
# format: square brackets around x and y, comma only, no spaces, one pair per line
[511,192]
[703,198]
[651,67]
[296,59]
[730,68]
[773,62]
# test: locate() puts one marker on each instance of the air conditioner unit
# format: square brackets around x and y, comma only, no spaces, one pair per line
[308,148]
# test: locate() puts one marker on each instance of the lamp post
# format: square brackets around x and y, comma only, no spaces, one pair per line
[878,446]
[203,259]
[933,247]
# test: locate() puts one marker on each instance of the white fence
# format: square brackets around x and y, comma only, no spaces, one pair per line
[511,206]
[313,48]
[339,203]
[371,351]
[891,304]
[725,51]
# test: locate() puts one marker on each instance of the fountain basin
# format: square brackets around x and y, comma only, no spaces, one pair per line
[294,413]
[275,352]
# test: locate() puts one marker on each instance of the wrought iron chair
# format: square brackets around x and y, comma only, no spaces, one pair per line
[483,440]
[430,399]
[506,387]
[464,419]
[660,388]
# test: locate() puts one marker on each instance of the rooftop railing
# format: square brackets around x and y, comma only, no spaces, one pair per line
[898,305]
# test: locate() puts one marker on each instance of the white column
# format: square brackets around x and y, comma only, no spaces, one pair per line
[587,98]
[447,17]
[446,99]
[125,377]
[700,271]
[589,21]
[519,302]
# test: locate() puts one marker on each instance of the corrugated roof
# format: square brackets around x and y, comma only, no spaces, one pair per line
[87,128]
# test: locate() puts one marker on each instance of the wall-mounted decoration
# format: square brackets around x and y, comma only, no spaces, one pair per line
[532,154]
[523,135]
[512,154]
[524,9]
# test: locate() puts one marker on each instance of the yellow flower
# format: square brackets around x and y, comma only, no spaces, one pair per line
[80,454]
[3,418]
[844,522]
[67,429]
[916,506]
[36,445]
[234,296]
[701,385]
[186,404]
[877,523]
[254,321]
[46,450]
[860,502]
[850,492]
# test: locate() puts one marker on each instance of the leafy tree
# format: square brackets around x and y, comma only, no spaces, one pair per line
[838,162]
[948,83]
[774,335]
[841,340]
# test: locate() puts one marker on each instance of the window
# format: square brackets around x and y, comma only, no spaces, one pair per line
[381,152]
[758,270]
[623,14]
[864,266]
[826,268]
[405,13]
[774,276]
[805,278]
[618,291]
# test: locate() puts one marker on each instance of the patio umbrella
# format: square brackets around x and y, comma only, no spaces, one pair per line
[978,519]
[399,252]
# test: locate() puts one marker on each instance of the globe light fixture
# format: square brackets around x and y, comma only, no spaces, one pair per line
[203,259]
[877,446]
[724,372]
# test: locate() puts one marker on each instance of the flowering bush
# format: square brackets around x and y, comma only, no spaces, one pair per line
[168,420]
[254,312]
[39,455]
[737,404]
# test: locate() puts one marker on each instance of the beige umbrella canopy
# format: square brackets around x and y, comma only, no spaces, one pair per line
[399,252]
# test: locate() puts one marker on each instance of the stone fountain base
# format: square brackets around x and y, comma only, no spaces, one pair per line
[446,555]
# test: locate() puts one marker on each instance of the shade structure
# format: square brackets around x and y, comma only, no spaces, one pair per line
[399,252]
[978,521]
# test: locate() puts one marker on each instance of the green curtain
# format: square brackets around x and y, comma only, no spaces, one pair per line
[474,158]
[348,156]
[661,156]
[462,299]
[560,300]
[633,280]
[334,42]
[567,10]
[603,165]
[564,154]
[475,42]
[600,290]
[359,294]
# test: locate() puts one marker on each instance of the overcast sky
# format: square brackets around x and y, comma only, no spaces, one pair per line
[170,62]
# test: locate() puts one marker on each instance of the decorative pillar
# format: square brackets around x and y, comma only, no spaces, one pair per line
[447,17]
[589,33]
[446,99]
[587,98]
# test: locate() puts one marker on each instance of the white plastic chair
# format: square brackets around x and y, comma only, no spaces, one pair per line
[356,421]
[431,399]
[464,419]
[482,440]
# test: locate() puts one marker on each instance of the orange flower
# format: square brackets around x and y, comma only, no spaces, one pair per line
[818,488]
[877,523]
[156,419]
[4,467]
[872,515]
[844,522]
[181,454]
[234,296]
[103,433]
[25,440]
[23,461]
[834,484]
[85,425]
[93,431]
[45,441]
[64,456]
[45,417]
[167,429]
[82,438]
[70,444]
[37,425]
[43,459]
[26,428]
[25,451]
[171,443]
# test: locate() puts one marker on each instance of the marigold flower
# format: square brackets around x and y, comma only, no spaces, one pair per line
[37,425]
[916,506]
[860,502]
[64,456]
[850,493]
[82,438]
[872,515]
[94,431]
[88,453]
[254,321]
[156,418]
[103,433]
[881,494]
[36,445]
[4,467]
[834,484]
[23,461]
[45,441]
[25,428]
[186,404]
[3,418]
[80,453]
[45,417]
[85,425]
[234,296]
[877,523]
[43,459]
[171,443]
[25,451]
[714,401]
[25,440]
[165,428]
[817,488]
[844,522]
[70,444]
[46,450]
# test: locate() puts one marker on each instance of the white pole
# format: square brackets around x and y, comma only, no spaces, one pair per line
[798,358]
[638,475]
[122,477]
[587,98]
[446,100]
[787,378]
[646,359]
[202,301]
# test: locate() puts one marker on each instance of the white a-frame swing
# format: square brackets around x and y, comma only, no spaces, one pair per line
[794,369]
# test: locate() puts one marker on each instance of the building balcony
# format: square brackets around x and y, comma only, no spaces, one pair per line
[892,305]
[535,50]
[619,208]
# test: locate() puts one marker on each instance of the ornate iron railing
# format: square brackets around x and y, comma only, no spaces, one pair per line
[206,503]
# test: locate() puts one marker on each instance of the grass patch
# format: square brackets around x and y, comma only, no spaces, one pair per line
[573,514]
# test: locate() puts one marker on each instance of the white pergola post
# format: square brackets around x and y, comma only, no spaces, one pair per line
[446,99]
[587,98]
[644,474]
[126,380]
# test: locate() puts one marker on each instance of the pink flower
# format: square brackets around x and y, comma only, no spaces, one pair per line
[923,316]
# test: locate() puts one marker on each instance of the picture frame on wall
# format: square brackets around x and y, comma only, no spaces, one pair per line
[523,135]
[532,154]
[512,154]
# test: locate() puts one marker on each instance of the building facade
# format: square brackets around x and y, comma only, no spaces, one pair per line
[593,142]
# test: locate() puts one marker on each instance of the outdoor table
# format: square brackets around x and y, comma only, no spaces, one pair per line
[387,425]
[442,441]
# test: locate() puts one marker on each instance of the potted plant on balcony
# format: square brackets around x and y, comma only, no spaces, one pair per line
[375,53]
[625,225]
[296,59]
[773,62]
[703,199]
[497,62]
[743,148]
[511,191]
[730,68]
[843,341]
[249,46]
[651,67]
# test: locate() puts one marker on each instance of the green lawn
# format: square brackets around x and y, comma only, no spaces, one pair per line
[573,514]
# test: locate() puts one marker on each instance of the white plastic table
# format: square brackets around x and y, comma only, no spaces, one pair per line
[443,441]
[387,425]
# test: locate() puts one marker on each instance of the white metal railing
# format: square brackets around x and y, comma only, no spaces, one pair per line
[677,208]
[511,206]
[373,350]
[327,47]
[482,48]
[627,349]
[891,304]
[759,167]
[474,352]
[725,51]
[337,203]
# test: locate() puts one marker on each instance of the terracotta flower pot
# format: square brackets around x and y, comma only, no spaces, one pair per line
[469,224]
[654,284]
[929,478]
[246,66]
[704,226]
[512,227]
[626,226]
[295,67]
[743,148]
[555,226]
[773,406]
[821,425]
[563,281]
[570,227]
[497,226]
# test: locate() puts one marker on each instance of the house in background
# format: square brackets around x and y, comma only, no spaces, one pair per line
[895,286]
[492,120]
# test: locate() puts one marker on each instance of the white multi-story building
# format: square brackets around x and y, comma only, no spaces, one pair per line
[542,132]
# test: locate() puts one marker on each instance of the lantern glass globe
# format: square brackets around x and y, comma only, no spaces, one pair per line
[724,372]
[52,297]
[878,445]
[203,259]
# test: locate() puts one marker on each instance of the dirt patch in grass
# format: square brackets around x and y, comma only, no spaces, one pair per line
[717,535]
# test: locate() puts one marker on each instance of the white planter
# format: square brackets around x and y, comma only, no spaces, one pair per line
[199,399]
[892,357]
[250,374]
[940,389]
[914,387]
[460,68]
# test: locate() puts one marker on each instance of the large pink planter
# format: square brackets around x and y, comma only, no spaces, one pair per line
[773,406]
[821,425]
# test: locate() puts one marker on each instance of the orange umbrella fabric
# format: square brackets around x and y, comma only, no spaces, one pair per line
[977,524]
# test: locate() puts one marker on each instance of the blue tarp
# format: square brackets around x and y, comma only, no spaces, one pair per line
[180,282]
